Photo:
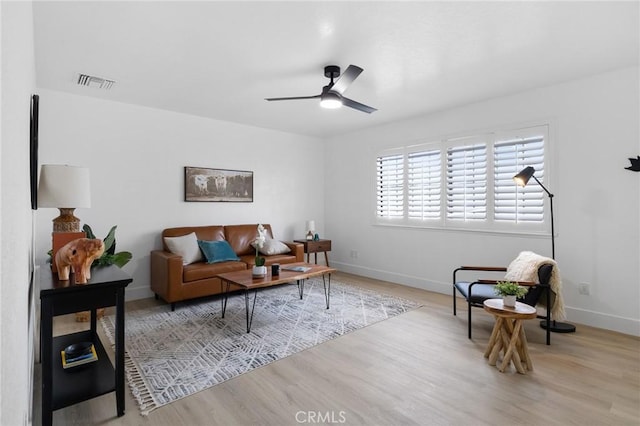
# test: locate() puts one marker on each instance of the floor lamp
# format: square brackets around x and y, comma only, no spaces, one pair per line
[522,179]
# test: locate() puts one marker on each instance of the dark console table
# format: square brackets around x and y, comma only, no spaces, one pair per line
[60,387]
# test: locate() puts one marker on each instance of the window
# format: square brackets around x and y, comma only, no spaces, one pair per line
[465,182]
[390,201]
[423,180]
[511,202]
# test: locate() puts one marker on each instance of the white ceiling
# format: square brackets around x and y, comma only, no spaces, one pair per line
[221,59]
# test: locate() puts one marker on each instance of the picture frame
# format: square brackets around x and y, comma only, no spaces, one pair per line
[33,150]
[217,185]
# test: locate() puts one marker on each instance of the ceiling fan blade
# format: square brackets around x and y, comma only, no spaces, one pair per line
[292,98]
[357,105]
[346,79]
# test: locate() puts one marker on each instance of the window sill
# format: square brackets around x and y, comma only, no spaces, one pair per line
[515,233]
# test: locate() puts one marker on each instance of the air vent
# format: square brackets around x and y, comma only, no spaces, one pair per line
[93,81]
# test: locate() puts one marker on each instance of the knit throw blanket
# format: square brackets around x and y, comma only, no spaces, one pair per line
[525,268]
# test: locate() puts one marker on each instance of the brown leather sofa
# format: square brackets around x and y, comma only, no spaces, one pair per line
[175,282]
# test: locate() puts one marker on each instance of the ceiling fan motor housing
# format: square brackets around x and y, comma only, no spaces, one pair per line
[332,71]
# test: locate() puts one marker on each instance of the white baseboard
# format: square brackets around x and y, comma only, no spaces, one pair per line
[135,293]
[574,315]
[606,321]
[403,279]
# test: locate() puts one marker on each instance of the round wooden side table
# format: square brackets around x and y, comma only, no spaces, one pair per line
[508,335]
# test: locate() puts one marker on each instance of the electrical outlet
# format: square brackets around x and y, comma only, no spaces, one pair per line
[354,254]
[583,288]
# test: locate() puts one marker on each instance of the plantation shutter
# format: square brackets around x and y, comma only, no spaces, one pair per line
[390,186]
[467,182]
[423,178]
[511,202]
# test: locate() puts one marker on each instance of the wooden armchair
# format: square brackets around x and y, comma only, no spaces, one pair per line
[477,291]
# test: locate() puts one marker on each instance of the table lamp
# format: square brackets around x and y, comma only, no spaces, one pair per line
[65,188]
[311,229]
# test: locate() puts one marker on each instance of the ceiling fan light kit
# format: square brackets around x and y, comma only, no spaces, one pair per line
[330,100]
[332,94]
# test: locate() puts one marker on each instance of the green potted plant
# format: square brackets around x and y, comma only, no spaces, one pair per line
[510,291]
[110,257]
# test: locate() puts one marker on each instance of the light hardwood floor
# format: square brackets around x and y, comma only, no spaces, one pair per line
[415,369]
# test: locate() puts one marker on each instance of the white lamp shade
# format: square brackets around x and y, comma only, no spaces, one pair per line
[64,186]
[311,225]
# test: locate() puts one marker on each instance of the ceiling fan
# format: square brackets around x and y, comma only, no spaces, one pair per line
[331,96]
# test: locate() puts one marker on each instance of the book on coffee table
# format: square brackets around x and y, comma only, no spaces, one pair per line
[296,268]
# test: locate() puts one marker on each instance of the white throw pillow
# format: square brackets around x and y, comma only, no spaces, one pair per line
[186,246]
[274,247]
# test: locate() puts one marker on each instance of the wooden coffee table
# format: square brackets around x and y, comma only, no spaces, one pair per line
[245,280]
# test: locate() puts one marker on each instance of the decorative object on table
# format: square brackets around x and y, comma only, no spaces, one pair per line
[635,164]
[316,237]
[78,354]
[59,240]
[108,257]
[66,188]
[218,185]
[259,270]
[193,360]
[77,349]
[510,291]
[33,150]
[78,255]
[275,269]
[311,229]
[522,179]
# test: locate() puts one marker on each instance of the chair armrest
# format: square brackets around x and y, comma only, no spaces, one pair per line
[166,274]
[478,268]
[297,249]
[483,268]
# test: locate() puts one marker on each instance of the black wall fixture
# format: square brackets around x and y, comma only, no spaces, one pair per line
[635,164]
[33,151]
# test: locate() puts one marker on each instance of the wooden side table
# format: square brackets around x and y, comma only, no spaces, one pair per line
[316,246]
[61,388]
[508,335]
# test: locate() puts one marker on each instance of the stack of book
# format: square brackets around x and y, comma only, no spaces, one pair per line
[73,358]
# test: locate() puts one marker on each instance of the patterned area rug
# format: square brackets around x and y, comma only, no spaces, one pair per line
[171,355]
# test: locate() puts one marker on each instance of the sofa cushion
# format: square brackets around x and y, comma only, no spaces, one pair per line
[203,271]
[205,233]
[185,246]
[241,236]
[269,260]
[217,251]
[271,247]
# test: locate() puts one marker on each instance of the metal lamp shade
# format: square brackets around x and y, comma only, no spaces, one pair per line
[523,177]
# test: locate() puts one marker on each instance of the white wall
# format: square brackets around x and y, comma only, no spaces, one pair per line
[137,156]
[18,83]
[595,128]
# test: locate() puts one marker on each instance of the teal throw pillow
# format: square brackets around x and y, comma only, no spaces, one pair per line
[217,251]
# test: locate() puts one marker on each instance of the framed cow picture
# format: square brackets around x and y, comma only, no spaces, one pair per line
[218,185]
